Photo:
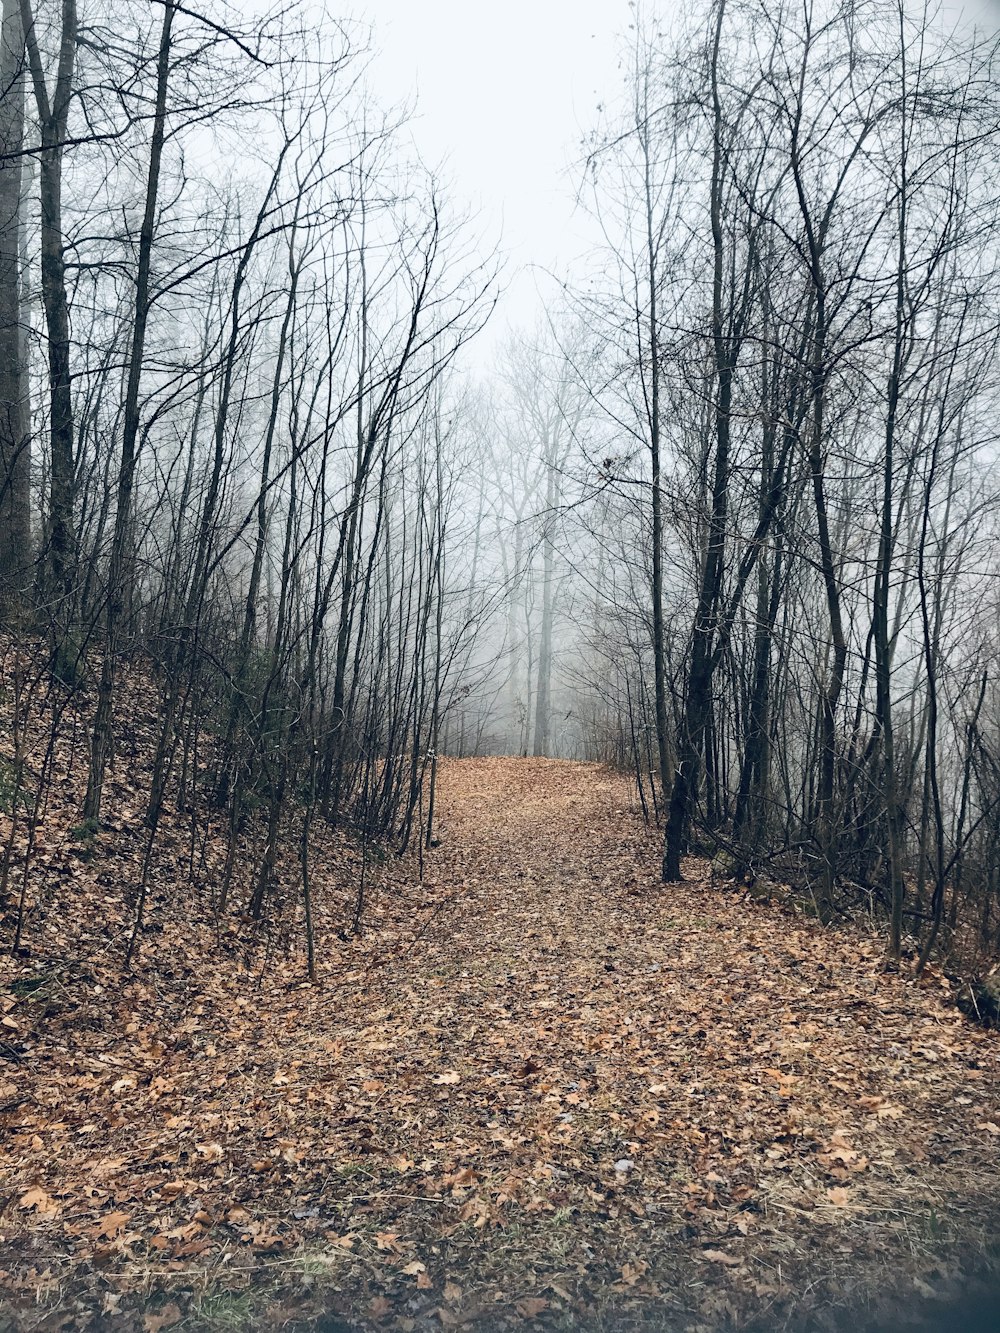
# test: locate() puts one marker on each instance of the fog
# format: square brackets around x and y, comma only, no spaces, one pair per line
[382,392]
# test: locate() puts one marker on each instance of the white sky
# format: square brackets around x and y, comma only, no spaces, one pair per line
[504,93]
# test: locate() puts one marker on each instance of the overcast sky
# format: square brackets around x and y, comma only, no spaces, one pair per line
[504,93]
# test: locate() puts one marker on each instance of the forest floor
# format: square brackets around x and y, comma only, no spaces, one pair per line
[541,1089]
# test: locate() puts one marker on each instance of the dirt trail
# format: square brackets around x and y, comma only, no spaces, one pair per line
[546,1089]
[534,857]
[689,1089]
[711,1080]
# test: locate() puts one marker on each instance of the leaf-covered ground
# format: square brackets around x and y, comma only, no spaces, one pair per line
[541,1090]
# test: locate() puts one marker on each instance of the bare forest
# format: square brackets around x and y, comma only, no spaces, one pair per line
[499,799]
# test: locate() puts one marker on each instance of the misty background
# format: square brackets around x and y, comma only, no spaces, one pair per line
[615,383]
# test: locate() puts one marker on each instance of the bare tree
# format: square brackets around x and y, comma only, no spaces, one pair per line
[15,432]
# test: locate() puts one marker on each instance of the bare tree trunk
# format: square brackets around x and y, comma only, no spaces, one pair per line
[656,588]
[14,409]
[697,698]
[53,118]
[543,689]
[101,739]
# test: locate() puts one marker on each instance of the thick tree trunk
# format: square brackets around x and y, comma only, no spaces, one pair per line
[53,119]
[14,412]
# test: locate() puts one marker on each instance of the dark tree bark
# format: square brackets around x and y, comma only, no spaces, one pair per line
[53,120]
[698,691]
[15,423]
[101,738]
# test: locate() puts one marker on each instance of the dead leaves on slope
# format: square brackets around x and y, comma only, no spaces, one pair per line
[548,1078]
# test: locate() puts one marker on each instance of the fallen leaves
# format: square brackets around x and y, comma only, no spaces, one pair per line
[721,1257]
[530,1307]
[632,1272]
[165,1318]
[549,1092]
[418,1270]
[113,1224]
[38,1201]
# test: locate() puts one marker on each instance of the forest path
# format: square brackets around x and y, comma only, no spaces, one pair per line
[545,1090]
[726,1091]
[535,855]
